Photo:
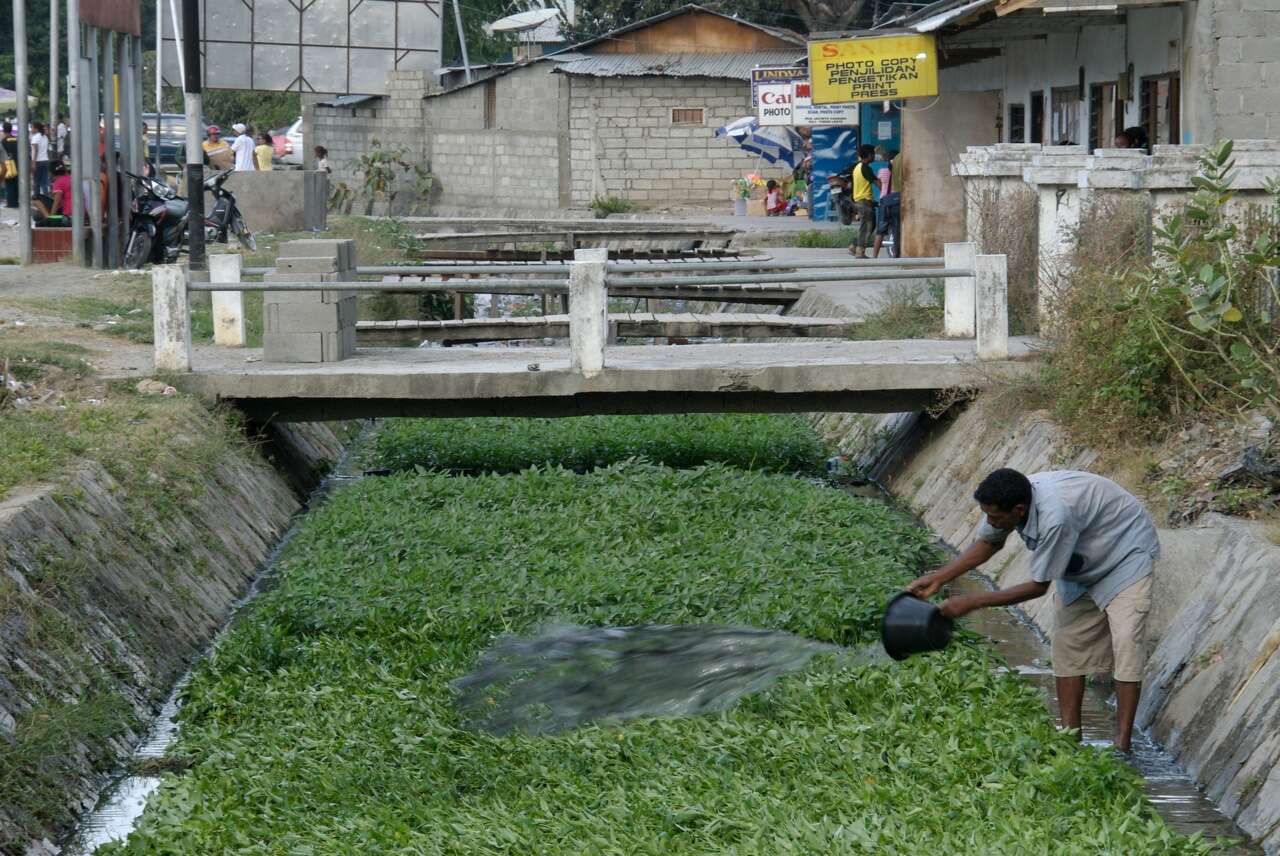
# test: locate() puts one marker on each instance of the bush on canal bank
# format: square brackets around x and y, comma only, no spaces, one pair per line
[325,723]
[778,444]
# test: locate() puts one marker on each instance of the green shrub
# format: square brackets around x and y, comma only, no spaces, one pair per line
[502,445]
[823,238]
[1141,343]
[603,206]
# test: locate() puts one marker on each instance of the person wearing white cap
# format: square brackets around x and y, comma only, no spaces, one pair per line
[242,145]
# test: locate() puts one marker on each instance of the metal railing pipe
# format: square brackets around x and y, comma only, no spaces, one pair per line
[771,264]
[799,278]
[502,286]
[459,270]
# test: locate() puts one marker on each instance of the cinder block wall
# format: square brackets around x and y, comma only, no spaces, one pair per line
[395,120]
[516,162]
[623,141]
[1245,79]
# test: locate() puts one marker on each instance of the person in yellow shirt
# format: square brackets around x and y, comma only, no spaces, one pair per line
[864,201]
[263,151]
[217,151]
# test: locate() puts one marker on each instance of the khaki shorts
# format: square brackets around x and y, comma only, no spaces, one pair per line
[1088,640]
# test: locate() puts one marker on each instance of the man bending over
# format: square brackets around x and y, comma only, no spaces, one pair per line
[1098,543]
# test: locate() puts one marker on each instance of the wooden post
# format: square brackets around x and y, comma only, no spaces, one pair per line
[959,307]
[458,305]
[172,319]
[228,306]
[589,311]
[993,306]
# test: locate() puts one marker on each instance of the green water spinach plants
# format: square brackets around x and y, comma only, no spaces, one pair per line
[325,723]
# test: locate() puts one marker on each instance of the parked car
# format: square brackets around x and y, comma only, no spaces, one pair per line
[173,137]
[288,143]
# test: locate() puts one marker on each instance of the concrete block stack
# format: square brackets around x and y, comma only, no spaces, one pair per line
[311,326]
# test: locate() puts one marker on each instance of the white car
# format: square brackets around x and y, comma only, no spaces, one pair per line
[288,144]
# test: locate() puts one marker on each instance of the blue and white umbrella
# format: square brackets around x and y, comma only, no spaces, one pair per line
[773,143]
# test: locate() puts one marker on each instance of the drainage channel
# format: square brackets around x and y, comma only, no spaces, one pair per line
[1183,806]
[1171,791]
[1174,795]
[122,801]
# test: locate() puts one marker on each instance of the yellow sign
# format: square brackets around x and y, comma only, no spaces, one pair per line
[876,68]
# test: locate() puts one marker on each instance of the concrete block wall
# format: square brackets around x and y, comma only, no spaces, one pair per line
[310,326]
[1244,79]
[623,143]
[396,120]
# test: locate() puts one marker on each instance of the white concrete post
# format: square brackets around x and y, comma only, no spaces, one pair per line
[993,306]
[959,304]
[172,319]
[588,311]
[228,306]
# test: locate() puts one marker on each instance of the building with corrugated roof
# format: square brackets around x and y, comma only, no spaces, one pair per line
[629,114]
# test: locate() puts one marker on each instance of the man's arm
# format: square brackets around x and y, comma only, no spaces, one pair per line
[964,604]
[977,553]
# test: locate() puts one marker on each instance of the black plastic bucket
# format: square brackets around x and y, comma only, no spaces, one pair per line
[912,626]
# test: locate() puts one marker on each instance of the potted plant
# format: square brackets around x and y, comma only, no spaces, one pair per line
[741,191]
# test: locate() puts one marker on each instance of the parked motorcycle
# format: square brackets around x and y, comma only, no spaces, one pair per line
[839,199]
[159,222]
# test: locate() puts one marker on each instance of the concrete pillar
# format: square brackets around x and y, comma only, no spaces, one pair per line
[959,304]
[171,319]
[588,311]
[228,306]
[993,306]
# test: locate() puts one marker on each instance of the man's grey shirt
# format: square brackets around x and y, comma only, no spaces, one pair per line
[1075,513]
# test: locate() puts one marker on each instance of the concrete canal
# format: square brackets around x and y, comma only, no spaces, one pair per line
[324,721]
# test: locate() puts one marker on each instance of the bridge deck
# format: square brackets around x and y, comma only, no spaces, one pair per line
[877,376]
[625,324]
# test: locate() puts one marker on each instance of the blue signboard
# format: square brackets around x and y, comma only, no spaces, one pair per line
[834,151]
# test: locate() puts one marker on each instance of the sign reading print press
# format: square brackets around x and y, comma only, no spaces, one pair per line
[876,68]
[781,97]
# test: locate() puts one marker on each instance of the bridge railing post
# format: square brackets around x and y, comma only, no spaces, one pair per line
[171,319]
[959,303]
[588,311]
[992,274]
[228,306]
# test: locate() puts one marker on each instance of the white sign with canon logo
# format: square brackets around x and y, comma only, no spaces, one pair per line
[781,97]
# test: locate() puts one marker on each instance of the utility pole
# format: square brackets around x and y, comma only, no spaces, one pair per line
[159,76]
[76,113]
[462,40]
[24,131]
[191,97]
[53,72]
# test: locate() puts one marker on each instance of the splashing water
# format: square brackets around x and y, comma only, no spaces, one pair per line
[565,675]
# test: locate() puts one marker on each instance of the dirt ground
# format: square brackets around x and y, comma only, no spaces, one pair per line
[44,286]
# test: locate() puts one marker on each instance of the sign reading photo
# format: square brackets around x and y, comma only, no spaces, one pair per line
[782,97]
[879,68]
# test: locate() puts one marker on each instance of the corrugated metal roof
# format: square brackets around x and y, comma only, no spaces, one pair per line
[347,100]
[736,66]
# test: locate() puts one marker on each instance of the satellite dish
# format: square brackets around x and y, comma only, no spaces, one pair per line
[522,21]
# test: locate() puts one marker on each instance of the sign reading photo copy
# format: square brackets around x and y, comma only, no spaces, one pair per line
[782,97]
[879,68]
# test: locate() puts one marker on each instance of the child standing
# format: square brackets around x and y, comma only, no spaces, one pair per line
[773,204]
[263,151]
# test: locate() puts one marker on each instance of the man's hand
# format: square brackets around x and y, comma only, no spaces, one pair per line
[959,606]
[927,586]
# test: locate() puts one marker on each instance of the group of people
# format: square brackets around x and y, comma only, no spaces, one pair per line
[875,190]
[242,153]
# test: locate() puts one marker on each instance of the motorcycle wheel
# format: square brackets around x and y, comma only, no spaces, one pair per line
[243,235]
[138,251]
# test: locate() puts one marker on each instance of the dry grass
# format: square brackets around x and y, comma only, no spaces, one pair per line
[1008,224]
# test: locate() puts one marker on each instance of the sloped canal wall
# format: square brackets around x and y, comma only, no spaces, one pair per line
[1211,693]
[107,594]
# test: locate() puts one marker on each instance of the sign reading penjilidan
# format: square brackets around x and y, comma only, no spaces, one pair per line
[877,68]
[782,97]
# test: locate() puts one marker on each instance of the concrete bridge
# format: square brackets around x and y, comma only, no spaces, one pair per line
[310,368]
